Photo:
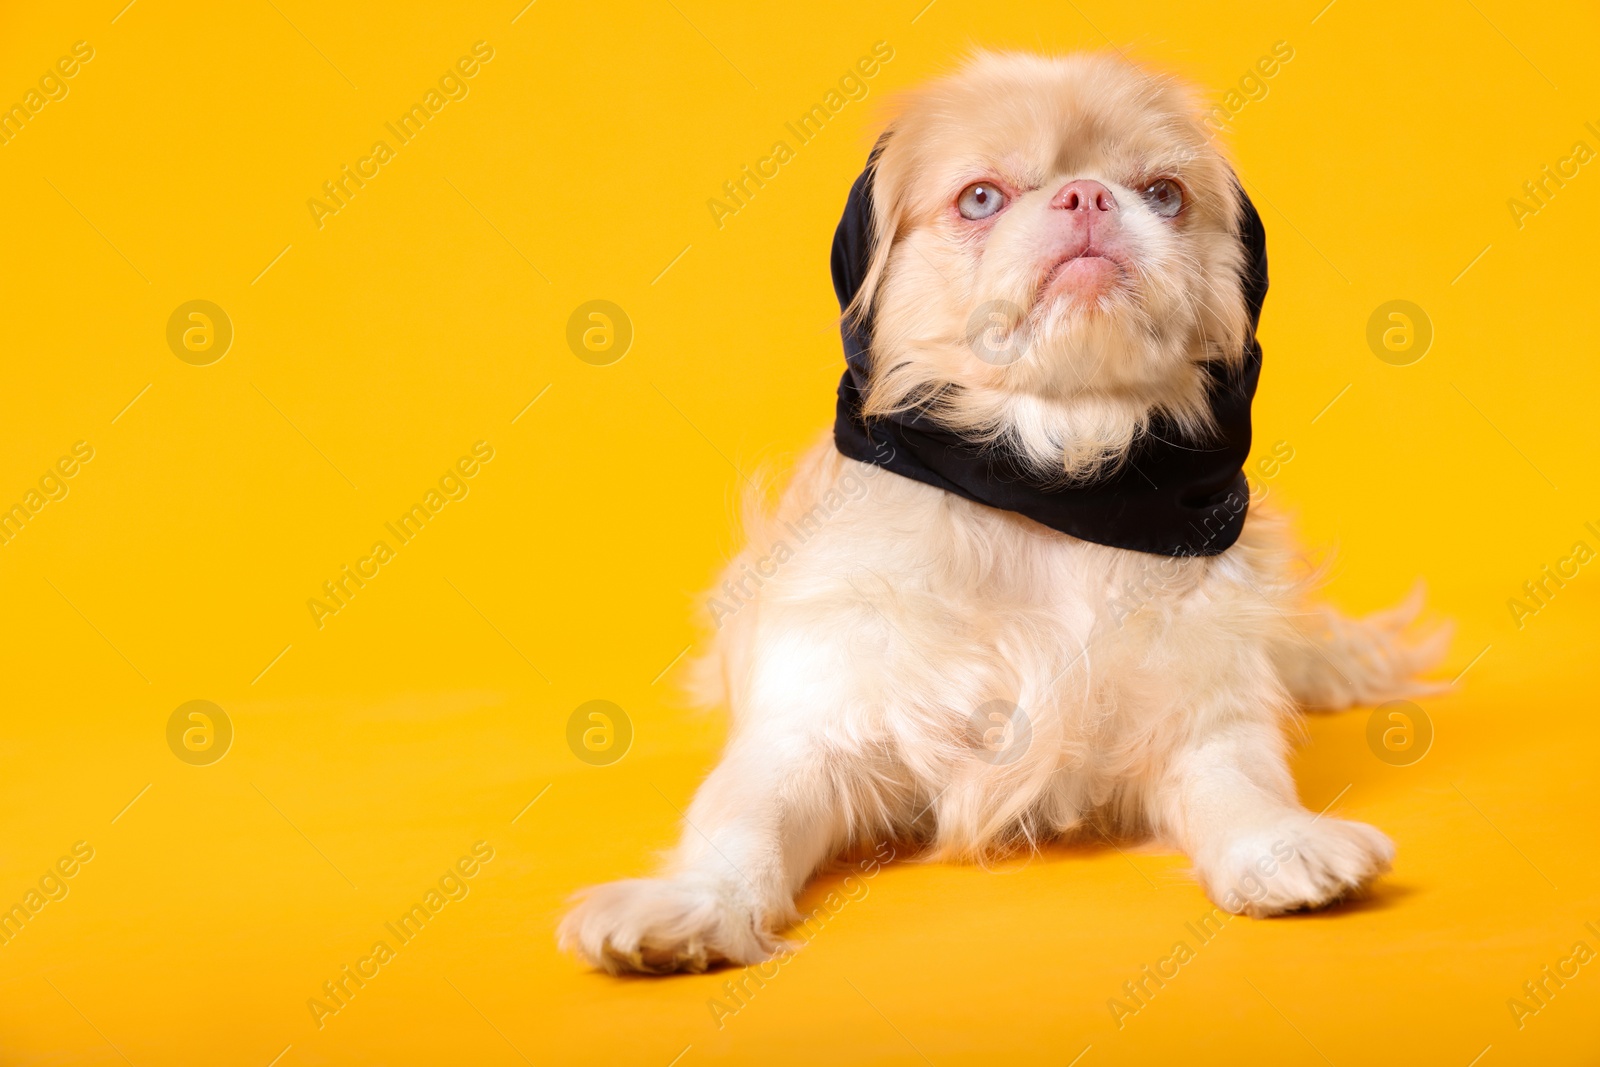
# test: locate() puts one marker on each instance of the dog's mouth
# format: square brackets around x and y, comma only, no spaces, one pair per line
[1085,276]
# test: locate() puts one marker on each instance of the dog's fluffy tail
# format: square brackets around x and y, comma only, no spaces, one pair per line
[1333,662]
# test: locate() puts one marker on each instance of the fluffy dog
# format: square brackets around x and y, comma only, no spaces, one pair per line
[1057,275]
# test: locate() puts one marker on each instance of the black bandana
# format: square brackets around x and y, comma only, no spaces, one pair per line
[1173,496]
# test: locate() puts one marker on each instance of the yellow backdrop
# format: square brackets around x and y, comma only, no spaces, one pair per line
[279,274]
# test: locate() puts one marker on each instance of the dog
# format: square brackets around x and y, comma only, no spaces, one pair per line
[950,630]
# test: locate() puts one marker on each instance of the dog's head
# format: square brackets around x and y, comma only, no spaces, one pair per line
[1056,256]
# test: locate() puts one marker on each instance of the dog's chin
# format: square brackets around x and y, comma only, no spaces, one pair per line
[1087,337]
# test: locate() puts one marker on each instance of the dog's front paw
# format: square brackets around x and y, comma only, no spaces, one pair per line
[1301,862]
[658,926]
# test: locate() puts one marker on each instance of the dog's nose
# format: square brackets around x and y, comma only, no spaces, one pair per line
[1085,195]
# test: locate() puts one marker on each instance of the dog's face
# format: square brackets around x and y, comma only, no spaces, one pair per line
[1057,254]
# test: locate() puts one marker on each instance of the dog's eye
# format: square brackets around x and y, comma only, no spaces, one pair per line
[980,200]
[1164,196]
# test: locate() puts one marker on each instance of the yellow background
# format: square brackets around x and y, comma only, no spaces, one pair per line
[425,716]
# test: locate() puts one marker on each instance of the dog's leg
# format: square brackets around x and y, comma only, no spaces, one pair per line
[1330,662]
[761,823]
[1227,799]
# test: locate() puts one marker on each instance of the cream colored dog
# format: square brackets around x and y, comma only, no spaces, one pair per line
[927,668]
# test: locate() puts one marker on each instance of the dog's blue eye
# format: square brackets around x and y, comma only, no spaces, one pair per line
[980,200]
[1164,196]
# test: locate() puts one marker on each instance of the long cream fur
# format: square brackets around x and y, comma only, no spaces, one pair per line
[902,663]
